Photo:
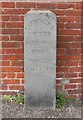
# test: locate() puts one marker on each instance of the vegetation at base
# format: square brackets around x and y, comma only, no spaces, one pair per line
[19,98]
[61,100]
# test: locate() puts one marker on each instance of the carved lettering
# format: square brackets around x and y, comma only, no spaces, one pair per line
[40,42]
[41,33]
[44,21]
[43,69]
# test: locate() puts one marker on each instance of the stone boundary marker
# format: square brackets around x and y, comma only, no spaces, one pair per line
[40,58]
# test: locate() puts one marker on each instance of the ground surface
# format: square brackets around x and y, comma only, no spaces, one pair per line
[14,110]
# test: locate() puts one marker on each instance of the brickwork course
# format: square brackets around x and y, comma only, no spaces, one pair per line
[69,45]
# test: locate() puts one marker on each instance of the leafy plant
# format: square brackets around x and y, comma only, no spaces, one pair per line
[61,100]
[9,98]
[19,98]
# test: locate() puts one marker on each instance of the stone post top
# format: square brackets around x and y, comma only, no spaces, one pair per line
[32,11]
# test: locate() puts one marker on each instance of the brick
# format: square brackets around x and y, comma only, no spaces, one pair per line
[17,63]
[5,63]
[78,38]
[10,75]
[3,87]
[60,25]
[17,37]
[14,18]
[16,87]
[80,86]
[60,63]
[66,6]
[59,87]
[8,5]
[69,32]
[17,69]
[1,11]
[59,75]
[20,75]
[78,6]
[22,81]
[72,51]
[11,69]
[21,31]
[71,75]
[78,19]
[6,69]
[70,86]
[80,74]
[65,19]
[2,75]
[69,57]
[21,18]
[5,38]
[71,63]
[75,80]
[61,19]
[73,26]
[2,24]
[59,12]
[80,63]
[76,45]
[25,4]
[73,13]
[69,19]
[9,50]
[15,11]
[11,81]
[63,38]
[10,57]
[62,69]
[10,31]
[46,5]
[60,51]
[63,45]
[8,93]
[75,69]
[20,56]
[74,91]
[81,20]
[14,24]
[58,82]
[8,44]
[19,50]
[71,96]
[5,18]
[1,51]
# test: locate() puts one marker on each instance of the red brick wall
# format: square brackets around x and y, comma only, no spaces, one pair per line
[69,45]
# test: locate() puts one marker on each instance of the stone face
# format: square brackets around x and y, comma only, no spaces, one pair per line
[40,59]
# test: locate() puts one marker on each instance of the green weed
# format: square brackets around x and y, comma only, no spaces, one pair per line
[19,98]
[61,100]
